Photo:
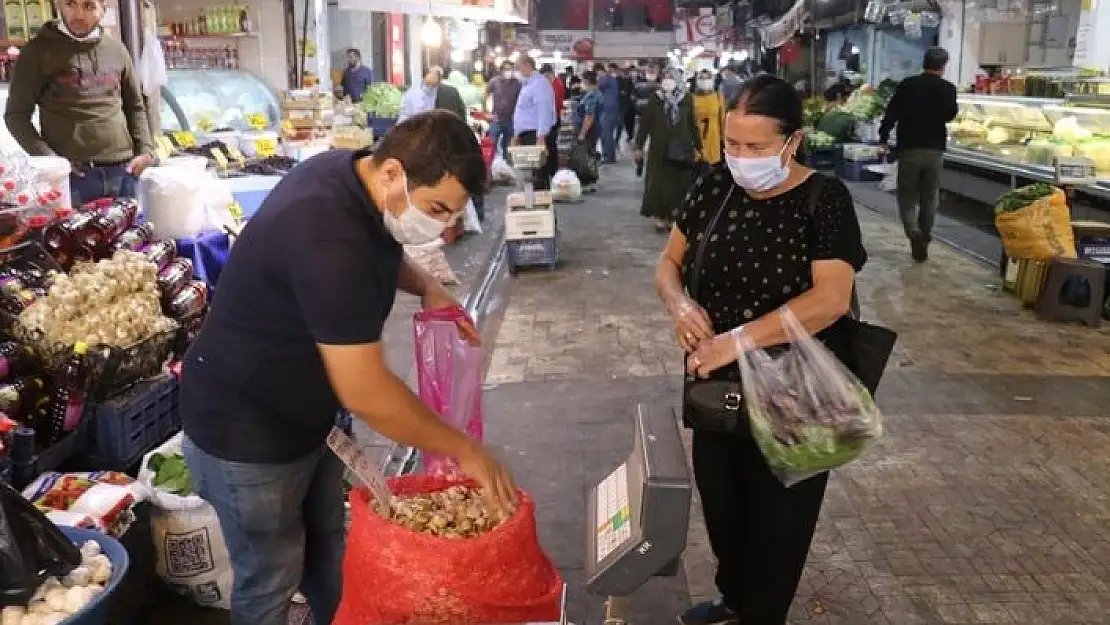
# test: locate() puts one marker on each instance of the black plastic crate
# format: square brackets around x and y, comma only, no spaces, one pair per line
[856,171]
[126,426]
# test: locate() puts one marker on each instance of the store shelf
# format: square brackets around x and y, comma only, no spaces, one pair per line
[211,36]
[971,158]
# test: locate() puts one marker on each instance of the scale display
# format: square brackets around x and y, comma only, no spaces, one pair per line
[638,514]
[614,513]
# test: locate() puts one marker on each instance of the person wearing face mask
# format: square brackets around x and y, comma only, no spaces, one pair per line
[775,234]
[709,112]
[628,103]
[357,78]
[432,93]
[296,335]
[673,152]
[730,84]
[91,109]
[610,89]
[535,118]
[502,92]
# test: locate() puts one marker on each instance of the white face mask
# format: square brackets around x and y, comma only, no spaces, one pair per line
[705,84]
[669,84]
[758,173]
[413,227]
[651,77]
[508,74]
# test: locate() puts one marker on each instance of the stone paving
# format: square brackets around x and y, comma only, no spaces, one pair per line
[987,502]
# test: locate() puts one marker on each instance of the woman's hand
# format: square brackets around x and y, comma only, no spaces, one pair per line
[717,352]
[691,322]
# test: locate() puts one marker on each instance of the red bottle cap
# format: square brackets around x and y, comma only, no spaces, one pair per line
[38,221]
[9,184]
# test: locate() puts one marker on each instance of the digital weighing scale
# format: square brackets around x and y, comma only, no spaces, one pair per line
[531,236]
[637,517]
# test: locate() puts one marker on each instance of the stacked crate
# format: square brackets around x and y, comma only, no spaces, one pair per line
[310,114]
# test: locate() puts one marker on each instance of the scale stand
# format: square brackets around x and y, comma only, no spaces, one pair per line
[638,515]
[531,236]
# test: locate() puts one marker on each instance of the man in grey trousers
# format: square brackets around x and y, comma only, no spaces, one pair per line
[920,108]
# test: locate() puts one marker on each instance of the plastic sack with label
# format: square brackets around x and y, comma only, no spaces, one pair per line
[394,575]
[31,549]
[501,172]
[565,186]
[808,413]
[192,557]
[449,375]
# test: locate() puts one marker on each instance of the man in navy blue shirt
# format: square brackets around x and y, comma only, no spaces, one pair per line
[357,78]
[295,335]
[610,88]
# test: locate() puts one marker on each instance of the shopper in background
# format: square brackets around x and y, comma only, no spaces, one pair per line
[730,84]
[644,90]
[293,338]
[357,78]
[709,112]
[91,109]
[674,151]
[558,87]
[504,89]
[628,103]
[535,120]
[610,88]
[767,250]
[586,114]
[920,108]
[432,93]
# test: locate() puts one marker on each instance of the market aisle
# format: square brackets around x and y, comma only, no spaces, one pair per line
[985,503]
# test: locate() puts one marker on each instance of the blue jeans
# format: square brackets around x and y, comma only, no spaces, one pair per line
[284,528]
[96,182]
[501,133]
[610,126]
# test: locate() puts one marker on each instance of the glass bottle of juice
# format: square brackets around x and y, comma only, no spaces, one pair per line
[159,252]
[174,278]
[18,395]
[67,403]
[62,238]
[15,358]
[135,237]
[108,224]
[190,301]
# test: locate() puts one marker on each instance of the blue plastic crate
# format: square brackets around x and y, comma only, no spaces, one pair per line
[856,171]
[822,158]
[128,425]
[533,252]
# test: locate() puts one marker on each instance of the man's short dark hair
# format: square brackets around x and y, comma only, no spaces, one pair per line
[355,51]
[614,66]
[547,68]
[590,77]
[434,145]
[506,65]
[936,59]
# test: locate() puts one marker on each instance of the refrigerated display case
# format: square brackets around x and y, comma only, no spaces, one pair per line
[1020,137]
[216,99]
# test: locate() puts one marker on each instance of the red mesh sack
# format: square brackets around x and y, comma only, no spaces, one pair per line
[392,575]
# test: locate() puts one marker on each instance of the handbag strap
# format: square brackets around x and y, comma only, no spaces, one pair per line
[699,252]
[816,185]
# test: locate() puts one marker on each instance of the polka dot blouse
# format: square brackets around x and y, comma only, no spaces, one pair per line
[758,255]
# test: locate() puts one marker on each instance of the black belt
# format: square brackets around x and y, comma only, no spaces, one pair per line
[102,164]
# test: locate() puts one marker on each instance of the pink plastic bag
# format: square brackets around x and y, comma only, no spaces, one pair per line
[449,375]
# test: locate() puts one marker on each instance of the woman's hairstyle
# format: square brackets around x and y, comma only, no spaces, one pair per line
[772,97]
[590,77]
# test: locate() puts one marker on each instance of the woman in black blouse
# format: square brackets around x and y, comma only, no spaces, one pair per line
[768,249]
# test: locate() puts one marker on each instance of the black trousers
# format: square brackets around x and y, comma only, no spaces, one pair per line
[760,531]
[630,122]
[544,174]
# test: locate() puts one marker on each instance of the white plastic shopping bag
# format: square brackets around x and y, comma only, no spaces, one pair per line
[501,172]
[471,223]
[889,182]
[565,186]
[192,556]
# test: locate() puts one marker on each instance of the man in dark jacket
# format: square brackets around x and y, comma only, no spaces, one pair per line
[432,93]
[357,78]
[920,108]
[90,105]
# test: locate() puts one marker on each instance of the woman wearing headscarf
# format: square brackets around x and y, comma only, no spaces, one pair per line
[673,151]
[709,112]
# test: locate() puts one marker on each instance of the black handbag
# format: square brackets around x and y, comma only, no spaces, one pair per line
[711,405]
[679,151]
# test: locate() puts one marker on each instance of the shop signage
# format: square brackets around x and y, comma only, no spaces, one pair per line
[397,48]
[571,43]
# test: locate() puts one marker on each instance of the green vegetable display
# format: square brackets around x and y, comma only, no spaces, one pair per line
[1022,197]
[885,90]
[837,124]
[171,474]
[382,99]
[813,110]
[818,140]
[863,106]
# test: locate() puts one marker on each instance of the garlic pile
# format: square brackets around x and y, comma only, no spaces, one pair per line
[457,512]
[111,302]
[58,599]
